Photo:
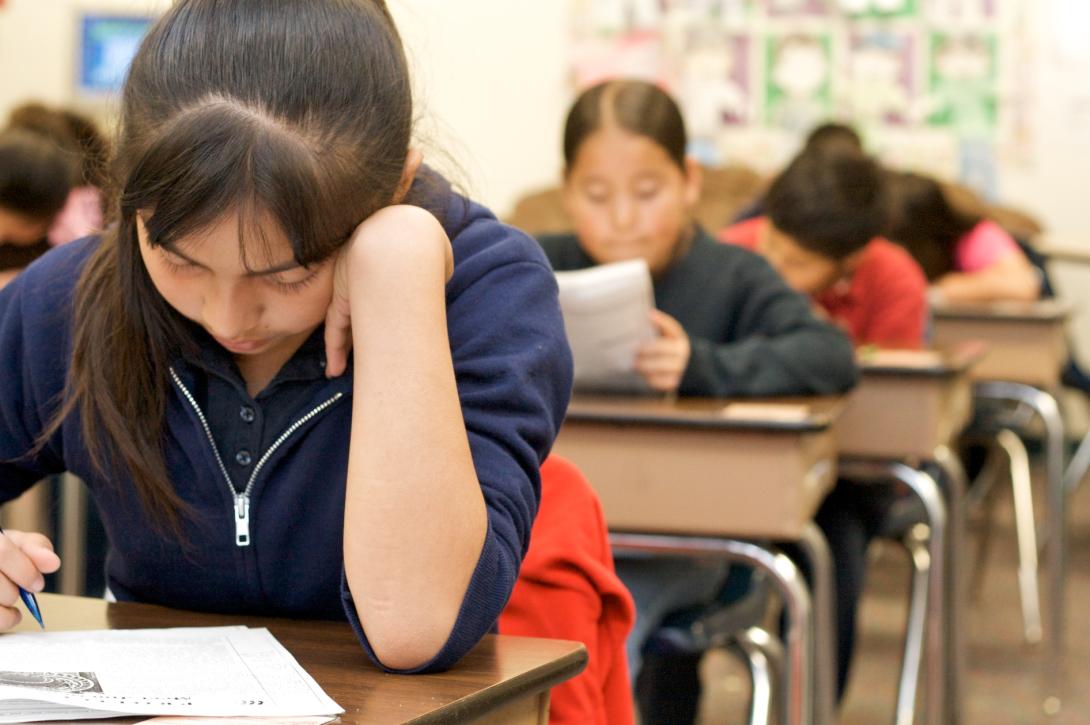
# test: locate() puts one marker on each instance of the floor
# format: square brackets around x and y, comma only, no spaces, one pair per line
[1005,675]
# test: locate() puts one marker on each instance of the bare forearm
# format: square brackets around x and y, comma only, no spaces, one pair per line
[1010,278]
[993,285]
[415,519]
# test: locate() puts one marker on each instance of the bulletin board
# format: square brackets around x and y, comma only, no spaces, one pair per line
[941,86]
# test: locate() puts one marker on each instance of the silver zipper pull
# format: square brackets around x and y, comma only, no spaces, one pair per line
[242,520]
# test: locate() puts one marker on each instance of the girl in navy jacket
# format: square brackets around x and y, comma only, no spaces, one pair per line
[300,376]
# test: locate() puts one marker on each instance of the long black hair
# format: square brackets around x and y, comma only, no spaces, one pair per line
[927,223]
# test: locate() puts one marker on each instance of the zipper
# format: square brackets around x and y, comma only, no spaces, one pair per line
[242,499]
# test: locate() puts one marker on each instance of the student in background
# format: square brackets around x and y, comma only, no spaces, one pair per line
[825,214]
[35,179]
[86,148]
[967,258]
[271,216]
[828,138]
[727,323]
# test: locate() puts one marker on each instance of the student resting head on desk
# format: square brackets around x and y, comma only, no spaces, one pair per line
[727,323]
[825,213]
[967,258]
[192,365]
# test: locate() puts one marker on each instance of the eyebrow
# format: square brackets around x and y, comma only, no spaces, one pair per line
[284,267]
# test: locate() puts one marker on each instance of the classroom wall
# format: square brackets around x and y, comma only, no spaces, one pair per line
[493,87]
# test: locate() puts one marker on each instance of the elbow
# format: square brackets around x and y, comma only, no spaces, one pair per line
[403,645]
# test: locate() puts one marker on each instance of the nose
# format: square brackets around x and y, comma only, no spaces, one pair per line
[622,213]
[231,310]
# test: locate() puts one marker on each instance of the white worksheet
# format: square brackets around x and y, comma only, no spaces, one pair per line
[201,671]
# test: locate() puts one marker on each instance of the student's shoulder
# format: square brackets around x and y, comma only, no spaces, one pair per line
[48,285]
[482,243]
[887,263]
[712,254]
[564,252]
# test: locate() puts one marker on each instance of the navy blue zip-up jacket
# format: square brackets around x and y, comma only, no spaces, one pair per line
[513,370]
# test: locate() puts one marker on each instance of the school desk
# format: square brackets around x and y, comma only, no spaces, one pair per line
[716,478]
[1027,352]
[902,417]
[502,680]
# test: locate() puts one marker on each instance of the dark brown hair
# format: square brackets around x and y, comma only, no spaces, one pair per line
[830,203]
[636,106]
[35,175]
[832,137]
[927,223]
[296,111]
[76,135]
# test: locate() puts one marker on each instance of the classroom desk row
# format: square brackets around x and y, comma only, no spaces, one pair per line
[730,479]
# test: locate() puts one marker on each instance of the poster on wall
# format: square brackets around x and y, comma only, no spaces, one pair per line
[963,95]
[962,11]
[794,8]
[798,80]
[630,55]
[714,11]
[862,9]
[882,83]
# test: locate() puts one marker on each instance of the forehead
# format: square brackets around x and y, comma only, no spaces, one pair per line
[238,242]
[615,153]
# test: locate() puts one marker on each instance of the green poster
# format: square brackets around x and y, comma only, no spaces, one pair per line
[798,80]
[964,83]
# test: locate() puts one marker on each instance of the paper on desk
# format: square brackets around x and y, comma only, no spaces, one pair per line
[202,671]
[607,318]
[180,720]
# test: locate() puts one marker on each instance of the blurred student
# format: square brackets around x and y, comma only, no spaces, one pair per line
[86,149]
[727,323]
[829,138]
[967,258]
[826,212]
[35,180]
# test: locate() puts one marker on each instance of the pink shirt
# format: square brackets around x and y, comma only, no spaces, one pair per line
[983,246]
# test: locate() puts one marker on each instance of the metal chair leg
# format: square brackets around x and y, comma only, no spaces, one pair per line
[916,544]
[759,650]
[1026,529]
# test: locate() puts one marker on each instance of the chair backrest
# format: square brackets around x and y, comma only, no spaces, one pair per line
[568,589]
[725,191]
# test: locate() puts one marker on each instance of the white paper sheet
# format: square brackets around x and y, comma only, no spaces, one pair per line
[207,671]
[607,318]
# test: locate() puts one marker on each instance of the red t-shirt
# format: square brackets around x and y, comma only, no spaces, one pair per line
[885,301]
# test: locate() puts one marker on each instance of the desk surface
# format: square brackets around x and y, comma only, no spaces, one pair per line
[499,670]
[942,363]
[789,415]
[1040,311]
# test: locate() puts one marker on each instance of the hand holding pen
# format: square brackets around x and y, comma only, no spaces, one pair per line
[24,558]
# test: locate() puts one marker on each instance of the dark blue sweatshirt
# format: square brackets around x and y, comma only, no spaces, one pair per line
[513,370]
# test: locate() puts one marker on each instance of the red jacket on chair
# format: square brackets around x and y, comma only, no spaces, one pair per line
[567,589]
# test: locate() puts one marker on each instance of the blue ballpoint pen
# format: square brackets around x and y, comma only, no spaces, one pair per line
[31,602]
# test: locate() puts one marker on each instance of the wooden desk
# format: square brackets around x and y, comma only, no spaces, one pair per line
[503,680]
[689,466]
[673,471]
[1026,341]
[909,403]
